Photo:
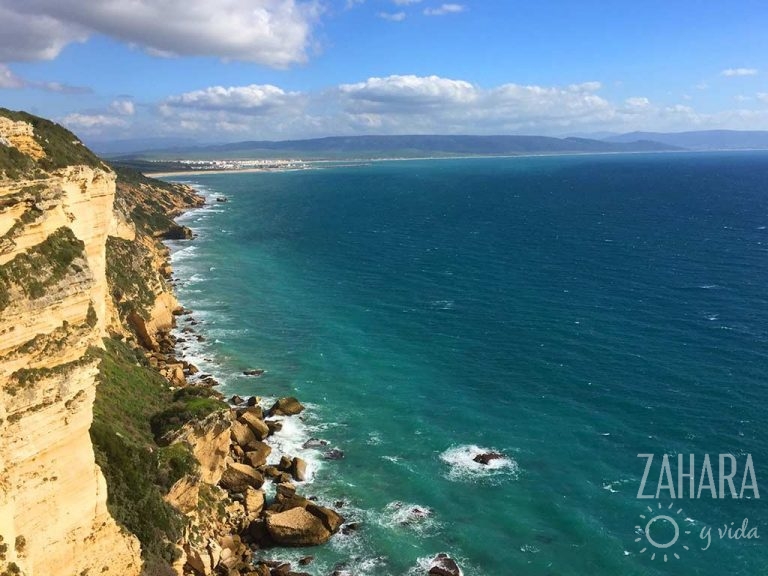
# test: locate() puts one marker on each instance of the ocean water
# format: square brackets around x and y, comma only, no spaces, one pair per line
[568,312]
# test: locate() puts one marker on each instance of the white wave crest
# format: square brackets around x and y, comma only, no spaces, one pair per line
[463,466]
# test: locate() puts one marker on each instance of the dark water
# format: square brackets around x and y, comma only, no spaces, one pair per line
[569,312]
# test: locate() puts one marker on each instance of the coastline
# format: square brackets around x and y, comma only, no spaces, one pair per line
[343,554]
[262,438]
[314,164]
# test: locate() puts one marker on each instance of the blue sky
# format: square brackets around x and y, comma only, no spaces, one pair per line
[231,70]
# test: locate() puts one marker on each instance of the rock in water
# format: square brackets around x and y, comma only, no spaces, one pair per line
[334,454]
[486,457]
[298,469]
[287,406]
[176,232]
[297,527]
[257,426]
[444,565]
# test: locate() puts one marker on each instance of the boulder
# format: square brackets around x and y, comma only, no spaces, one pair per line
[271,472]
[298,469]
[285,490]
[238,477]
[210,440]
[330,519]
[256,424]
[176,232]
[254,372]
[258,453]
[243,436]
[285,463]
[274,425]
[444,565]
[254,502]
[297,527]
[287,406]
[184,494]
[486,457]
[261,570]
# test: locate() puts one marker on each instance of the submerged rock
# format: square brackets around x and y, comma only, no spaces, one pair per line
[334,454]
[315,443]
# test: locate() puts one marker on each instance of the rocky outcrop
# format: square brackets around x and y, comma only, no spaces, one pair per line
[444,565]
[297,527]
[53,308]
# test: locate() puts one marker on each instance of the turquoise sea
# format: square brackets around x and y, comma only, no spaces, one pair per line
[568,312]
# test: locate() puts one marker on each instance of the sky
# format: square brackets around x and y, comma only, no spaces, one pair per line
[232,70]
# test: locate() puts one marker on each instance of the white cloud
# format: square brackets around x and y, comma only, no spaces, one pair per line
[8,79]
[406,93]
[762,96]
[730,72]
[254,99]
[92,122]
[637,102]
[272,32]
[409,104]
[392,16]
[445,9]
[123,107]
[405,2]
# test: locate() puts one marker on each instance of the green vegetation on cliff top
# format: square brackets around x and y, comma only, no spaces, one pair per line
[62,148]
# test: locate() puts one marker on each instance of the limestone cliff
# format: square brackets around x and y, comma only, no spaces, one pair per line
[55,216]
[111,463]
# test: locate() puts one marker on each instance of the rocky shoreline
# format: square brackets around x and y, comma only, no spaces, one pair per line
[253,508]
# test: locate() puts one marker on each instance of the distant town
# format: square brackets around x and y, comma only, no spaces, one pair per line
[270,164]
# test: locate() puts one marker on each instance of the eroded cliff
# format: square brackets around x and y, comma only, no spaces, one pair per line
[55,217]
[116,457]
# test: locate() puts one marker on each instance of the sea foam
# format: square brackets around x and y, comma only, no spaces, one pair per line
[463,467]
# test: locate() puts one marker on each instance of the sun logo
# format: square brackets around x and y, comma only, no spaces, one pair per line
[661,531]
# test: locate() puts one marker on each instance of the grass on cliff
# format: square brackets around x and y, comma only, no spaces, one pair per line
[41,266]
[130,276]
[151,203]
[138,471]
[62,148]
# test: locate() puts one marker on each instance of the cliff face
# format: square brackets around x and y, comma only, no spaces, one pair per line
[54,224]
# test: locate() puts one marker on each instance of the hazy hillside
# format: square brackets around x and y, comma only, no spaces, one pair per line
[702,139]
[339,147]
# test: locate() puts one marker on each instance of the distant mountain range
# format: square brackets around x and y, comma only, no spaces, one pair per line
[411,146]
[345,147]
[701,139]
